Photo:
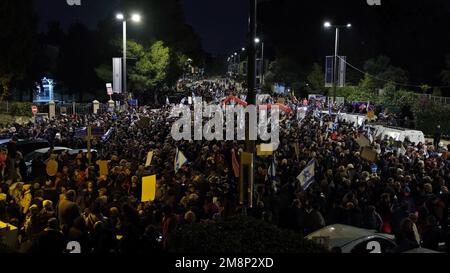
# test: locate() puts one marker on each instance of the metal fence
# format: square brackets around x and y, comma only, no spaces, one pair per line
[4,107]
[74,108]
[434,99]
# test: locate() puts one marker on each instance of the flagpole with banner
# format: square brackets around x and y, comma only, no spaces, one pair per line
[180,160]
[306,177]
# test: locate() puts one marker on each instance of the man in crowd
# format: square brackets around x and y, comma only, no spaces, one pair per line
[105,211]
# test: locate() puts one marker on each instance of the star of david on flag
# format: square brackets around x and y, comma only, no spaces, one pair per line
[306,178]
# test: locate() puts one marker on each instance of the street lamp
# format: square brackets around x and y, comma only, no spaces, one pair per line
[136,18]
[336,49]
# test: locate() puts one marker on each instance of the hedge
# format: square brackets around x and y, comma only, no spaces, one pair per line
[239,235]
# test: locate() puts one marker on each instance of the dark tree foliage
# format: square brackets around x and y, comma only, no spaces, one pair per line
[405,30]
[77,62]
[18,38]
[239,235]
[165,20]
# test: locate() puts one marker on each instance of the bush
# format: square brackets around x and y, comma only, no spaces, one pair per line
[239,235]
[21,109]
[428,115]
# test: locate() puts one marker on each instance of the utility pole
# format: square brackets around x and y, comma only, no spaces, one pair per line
[335,68]
[251,97]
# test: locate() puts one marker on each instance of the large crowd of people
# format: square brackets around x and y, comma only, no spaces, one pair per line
[405,195]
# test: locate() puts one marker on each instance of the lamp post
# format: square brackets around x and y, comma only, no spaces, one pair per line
[336,49]
[257,41]
[238,60]
[136,18]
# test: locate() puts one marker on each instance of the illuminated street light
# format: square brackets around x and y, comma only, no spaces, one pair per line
[136,18]
[336,48]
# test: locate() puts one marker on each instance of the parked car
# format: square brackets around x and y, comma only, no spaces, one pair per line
[40,152]
[57,150]
[26,146]
[350,239]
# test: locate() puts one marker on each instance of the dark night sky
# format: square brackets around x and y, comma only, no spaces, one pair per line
[411,32]
[222,24]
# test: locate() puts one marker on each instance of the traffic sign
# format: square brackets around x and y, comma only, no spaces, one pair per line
[109,89]
[34,109]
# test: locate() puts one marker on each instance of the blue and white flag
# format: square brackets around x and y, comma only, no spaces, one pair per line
[180,160]
[106,136]
[338,116]
[272,173]
[370,134]
[306,178]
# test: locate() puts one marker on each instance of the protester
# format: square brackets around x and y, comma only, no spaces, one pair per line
[100,205]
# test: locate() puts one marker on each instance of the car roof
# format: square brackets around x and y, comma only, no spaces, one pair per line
[340,235]
[76,151]
[45,150]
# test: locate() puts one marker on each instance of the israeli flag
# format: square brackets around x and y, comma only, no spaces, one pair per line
[370,134]
[336,120]
[180,160]
[306,178]
[272,173]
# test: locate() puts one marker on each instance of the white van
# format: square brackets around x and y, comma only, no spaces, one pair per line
[354,118]
[399,134]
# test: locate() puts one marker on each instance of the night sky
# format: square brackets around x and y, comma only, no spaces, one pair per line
[414,33]
[222,24]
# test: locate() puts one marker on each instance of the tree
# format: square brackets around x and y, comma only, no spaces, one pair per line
[151,68]
[379,72]
[170,27]
[104,72]
[284,71]
[445,74]
[18,35]
[316,79]
[425,88]
[239,235]
[78,60]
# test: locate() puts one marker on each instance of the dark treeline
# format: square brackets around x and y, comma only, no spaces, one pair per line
[413,33]
[72,55]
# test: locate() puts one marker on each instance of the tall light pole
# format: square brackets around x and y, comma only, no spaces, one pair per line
[238,60]
[257,41]
[336,49]
[136,18]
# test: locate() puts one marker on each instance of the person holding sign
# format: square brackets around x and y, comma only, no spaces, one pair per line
[148,188]
[52,166]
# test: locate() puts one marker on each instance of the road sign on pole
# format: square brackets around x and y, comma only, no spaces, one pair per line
[109,89]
